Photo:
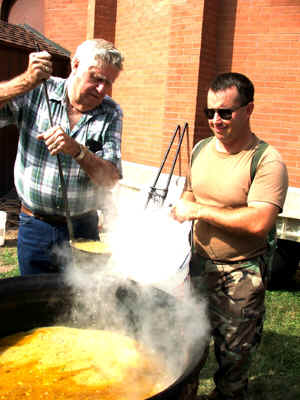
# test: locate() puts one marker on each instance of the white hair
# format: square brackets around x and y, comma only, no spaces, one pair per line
[90,51]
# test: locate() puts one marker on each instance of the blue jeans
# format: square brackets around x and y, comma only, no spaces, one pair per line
[44,247]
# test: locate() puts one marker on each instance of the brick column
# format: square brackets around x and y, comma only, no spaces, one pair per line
[192,64]
[101,19]
[169,54]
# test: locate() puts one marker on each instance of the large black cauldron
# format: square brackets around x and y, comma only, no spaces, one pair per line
[45,300]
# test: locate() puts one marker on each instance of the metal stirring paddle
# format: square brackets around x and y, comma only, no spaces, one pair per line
[62,179]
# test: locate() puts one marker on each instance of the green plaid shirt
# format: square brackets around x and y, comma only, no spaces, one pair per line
[37,178]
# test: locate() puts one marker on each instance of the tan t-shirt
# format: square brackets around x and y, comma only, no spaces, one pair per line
[223,180]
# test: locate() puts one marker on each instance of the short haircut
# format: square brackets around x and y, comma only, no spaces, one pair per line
[229,79]
[90,51]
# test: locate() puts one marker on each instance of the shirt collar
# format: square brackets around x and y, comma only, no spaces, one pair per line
[60,91]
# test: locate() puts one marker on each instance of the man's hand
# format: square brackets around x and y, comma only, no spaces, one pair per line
[184,210]
[58,141]
[39,67]
[101,172]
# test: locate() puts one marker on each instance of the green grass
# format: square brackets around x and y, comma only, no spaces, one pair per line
[275,371]
[9,260]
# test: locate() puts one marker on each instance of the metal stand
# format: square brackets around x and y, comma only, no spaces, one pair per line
[159,194]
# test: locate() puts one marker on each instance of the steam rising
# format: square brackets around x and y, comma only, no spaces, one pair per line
[140,290]
[152,248]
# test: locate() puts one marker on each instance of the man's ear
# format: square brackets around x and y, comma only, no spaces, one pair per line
[250,108]
[74,64]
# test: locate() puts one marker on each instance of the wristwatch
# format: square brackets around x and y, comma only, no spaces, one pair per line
[80,156]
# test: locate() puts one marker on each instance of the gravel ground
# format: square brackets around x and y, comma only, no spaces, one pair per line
[11,235]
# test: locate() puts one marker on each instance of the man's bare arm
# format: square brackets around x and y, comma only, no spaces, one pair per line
[256,219]
[101,172]
[39,68]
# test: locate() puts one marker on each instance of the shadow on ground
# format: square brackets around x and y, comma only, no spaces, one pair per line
[9,243]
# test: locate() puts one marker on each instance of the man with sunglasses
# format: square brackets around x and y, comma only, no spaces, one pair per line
[232,216]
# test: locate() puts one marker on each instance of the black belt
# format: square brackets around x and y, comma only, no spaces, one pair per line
[50,219]
[228,262]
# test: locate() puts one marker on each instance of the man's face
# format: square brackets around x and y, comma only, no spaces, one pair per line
[232,130]
[91,83]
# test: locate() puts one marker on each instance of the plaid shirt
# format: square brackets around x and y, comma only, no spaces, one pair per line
[36,172]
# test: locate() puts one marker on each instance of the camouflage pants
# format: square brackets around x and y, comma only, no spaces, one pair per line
[236,295]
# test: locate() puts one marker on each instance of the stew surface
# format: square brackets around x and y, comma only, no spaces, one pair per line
[56,363]
[92,246]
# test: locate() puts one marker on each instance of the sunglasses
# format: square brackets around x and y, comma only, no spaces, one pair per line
[224,113]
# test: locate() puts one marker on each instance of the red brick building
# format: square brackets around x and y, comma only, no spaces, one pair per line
[173,48]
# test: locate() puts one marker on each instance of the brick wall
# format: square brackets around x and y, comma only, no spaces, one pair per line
[66,22]
[142,34]
[105,19]
[21,12]
[207,65]
[161,41]
[261,39]
[174,47]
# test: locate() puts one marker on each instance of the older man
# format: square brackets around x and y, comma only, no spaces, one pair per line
[85,133]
